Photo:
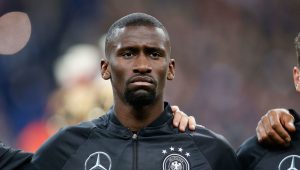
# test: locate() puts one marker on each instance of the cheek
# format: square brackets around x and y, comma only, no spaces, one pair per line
[118,72]
[161,73]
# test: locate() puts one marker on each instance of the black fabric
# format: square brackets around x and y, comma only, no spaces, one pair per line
[295,115]
[105,144]
[11,159]
[254,156]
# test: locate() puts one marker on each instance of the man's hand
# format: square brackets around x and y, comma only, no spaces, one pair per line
[275,126]
[181,120]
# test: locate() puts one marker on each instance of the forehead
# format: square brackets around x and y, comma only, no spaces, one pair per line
[141,36]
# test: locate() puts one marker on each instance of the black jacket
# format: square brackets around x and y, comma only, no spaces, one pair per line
[255,156]
[105,144]
[13,159]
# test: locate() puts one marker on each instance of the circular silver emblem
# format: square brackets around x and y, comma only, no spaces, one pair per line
[98,161]
[290,162]
[175,162]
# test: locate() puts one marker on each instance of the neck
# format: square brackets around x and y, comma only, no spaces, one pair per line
[138,118]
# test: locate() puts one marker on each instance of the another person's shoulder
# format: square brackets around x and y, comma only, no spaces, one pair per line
[250,153]
[253,155]
[13,159]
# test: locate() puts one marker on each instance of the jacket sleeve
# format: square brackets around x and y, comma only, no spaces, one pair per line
[217,150]
[295,115]
[13,159]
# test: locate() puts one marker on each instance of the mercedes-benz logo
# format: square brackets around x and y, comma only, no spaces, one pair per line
[289,163]
[98,161]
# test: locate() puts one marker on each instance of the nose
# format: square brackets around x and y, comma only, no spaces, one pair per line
[142,64]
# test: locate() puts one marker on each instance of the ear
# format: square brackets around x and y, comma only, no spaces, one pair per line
[104,69]
[171,70]
[296,76]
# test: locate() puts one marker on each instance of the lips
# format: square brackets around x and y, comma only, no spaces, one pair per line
[145,79]
[141,81]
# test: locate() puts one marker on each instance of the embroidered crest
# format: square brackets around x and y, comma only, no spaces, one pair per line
[98,161]
[176,159]
[290,162]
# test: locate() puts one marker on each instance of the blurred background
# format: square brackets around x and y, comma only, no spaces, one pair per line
[234,61]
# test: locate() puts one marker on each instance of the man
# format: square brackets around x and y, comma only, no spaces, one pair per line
[274,128]
[137,133]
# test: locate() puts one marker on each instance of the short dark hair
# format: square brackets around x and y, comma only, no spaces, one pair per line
[134,19]
[297,46]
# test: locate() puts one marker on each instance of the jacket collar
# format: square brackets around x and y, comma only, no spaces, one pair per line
[162,125]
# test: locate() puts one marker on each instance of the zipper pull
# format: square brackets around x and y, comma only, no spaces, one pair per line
[134,136]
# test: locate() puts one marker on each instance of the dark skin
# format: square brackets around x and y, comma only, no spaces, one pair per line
[138,60]
[181,120]
[275,127]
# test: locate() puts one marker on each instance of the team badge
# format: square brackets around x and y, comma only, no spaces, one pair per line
[176,159]
[291,162]
[98,161]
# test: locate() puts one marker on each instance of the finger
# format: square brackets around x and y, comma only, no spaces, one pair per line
[174,108]
[192,123]
[177,117]
[183,123]
[262,135]
[271,134]
[258,132]
[287,121]
[278,127]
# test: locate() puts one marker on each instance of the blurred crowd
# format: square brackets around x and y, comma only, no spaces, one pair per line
[234,61]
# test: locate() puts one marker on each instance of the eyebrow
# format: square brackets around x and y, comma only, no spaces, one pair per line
[147,48]
[130,48]
[151,49]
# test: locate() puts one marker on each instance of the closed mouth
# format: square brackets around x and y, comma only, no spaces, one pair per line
[144,79]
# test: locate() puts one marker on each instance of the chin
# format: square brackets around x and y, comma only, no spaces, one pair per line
[140,98]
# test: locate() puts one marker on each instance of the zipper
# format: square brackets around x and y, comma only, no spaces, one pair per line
[134,138]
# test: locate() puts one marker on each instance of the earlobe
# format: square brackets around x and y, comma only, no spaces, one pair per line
[170,76]
[104,70]
[171,72]
[106,75]
[296,77]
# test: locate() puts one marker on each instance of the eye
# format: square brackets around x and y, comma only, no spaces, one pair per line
[127,54]
[155,55]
